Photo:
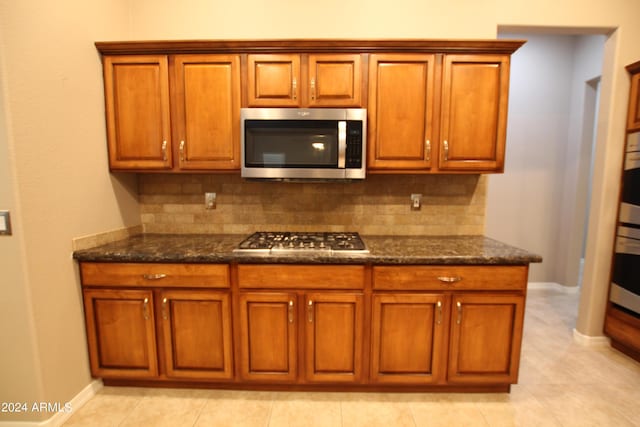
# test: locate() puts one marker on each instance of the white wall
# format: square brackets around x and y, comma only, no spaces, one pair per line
[587,67]
[537,203]
[57,186]
[19,366]
[523,205]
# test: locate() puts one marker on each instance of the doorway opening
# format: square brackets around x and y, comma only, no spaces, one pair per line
[541,202]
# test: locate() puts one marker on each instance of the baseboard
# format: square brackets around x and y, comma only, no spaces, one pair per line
[589,341]
[60,418]
[554,287]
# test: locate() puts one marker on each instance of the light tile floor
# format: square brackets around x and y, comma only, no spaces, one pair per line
[561,384]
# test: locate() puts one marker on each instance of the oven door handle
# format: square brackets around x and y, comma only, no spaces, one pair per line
[342,144]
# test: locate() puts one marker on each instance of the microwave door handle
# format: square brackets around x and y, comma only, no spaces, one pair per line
[342,144]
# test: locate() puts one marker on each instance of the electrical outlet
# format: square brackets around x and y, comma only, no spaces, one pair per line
[209,200]
[416,202]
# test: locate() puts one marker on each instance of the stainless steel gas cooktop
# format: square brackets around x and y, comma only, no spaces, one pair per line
[301,242]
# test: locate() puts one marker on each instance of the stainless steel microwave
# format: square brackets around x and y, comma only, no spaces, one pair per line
[301,144]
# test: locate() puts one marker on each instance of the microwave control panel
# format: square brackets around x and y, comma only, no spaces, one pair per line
[354,145]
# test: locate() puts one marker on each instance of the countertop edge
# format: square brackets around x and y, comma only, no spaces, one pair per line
[133,250]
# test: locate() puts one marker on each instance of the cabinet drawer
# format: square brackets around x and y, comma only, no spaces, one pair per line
[449,277]
[156,275]
[301,276]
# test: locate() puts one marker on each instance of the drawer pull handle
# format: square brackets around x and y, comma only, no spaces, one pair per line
[294,88]
[446,151]
[164,309]
[310,311]
[156,276]
[439,310]
[182,151]
[459,306]
[290,311]
[449,279]
[164,151]
[427,149]
[313,88]
[145,308]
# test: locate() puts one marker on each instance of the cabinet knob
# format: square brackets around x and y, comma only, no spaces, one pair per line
[145,308]
[165,316]
[290,311]
[310,311]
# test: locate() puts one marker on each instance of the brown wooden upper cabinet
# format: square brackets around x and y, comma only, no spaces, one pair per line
[401,108]
[475,92]
[435,106]
[184,107]
[452,108]
[137,108]
[314,80]
[207,111]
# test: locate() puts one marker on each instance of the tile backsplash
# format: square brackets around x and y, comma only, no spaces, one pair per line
[379,205]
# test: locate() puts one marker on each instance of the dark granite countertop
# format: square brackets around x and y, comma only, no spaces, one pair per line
[215,248]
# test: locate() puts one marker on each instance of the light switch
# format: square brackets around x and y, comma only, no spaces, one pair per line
[5,223]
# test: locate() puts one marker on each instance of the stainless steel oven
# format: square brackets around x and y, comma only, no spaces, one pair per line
[625,277]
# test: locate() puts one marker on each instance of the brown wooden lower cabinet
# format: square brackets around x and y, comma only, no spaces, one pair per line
[332,326]
[408,338]
[624,330]
[268,339]
[197,334]
[121,333]
[333,337]
[396,328]
[486,334]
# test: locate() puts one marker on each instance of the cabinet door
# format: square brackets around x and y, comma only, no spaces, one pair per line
[273,80]
[335,80]
[268,340]
[137,109]
[633,121]
[401,97]
[474,112]
[207,111]
[333,337]
[408,338]
[121,333]
[486,334]
[197,334]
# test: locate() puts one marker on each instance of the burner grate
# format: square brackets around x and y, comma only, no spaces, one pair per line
[296,242]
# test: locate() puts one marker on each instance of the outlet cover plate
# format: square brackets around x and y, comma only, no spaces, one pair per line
[5,223]
[210,200]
